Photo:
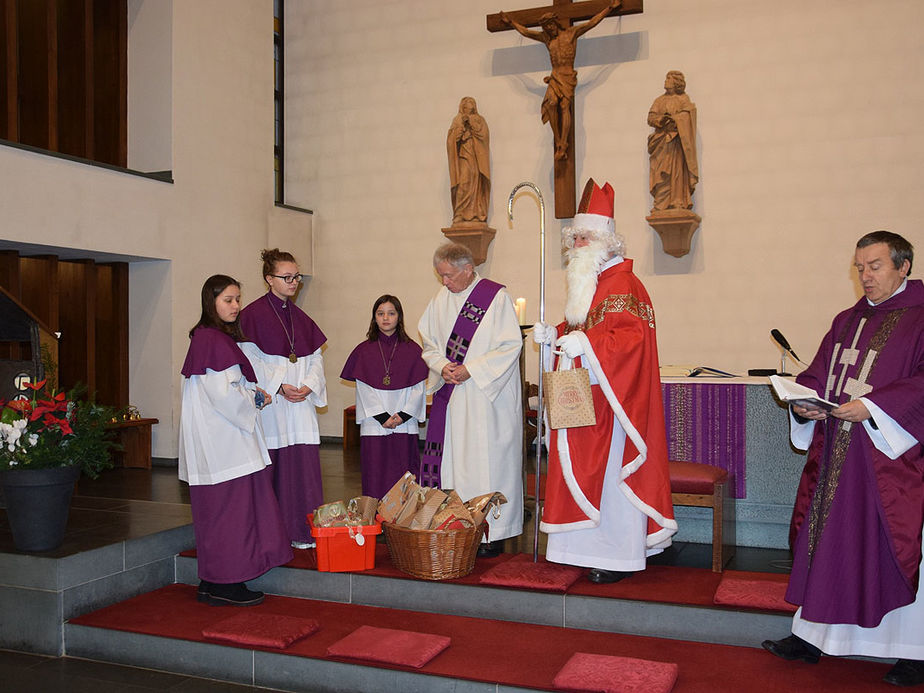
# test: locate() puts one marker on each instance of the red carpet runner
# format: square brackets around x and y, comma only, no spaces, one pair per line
[508,653]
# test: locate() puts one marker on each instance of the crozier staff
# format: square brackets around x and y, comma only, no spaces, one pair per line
[284,345]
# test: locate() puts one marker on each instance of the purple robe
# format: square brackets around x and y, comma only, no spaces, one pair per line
[212,349]
[270,323]
[385,458]
[238,528]
[260,323]
[858,516]
[366,363]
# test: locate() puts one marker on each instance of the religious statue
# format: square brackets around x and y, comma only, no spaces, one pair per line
[561,41]
[673,171]
[672,146]
[469,165]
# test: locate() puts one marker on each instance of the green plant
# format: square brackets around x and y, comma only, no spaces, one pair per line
[55,430]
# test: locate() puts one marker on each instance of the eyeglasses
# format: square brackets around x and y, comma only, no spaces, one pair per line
[289,278]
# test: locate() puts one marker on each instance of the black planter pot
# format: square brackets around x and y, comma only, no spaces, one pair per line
[37,505]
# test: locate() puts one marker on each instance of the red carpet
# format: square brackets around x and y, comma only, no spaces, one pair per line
[513,654]
[665,584]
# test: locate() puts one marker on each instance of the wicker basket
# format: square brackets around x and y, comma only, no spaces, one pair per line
[433,554]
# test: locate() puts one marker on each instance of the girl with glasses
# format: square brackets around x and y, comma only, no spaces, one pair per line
[284,346]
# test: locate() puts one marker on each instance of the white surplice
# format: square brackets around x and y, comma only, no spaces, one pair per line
[288,423]
[371,401]
[220,436]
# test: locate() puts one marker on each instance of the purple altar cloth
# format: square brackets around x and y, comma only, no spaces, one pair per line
[706,423]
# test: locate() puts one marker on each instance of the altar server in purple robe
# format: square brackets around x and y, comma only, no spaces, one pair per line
[391,398]
[857,522]
[284,346]
[223,456]
[471,344]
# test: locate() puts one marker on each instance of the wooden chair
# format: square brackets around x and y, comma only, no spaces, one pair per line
[350,428]
[704,486]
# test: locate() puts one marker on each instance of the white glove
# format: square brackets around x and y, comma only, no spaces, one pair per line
[571,344]
[544,333]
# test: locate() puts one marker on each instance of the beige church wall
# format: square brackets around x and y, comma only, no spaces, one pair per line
[807,133]
[215,217]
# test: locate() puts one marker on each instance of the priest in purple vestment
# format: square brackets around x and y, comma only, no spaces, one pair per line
[856,530]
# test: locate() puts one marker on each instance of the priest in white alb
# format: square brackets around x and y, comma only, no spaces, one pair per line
[471,344]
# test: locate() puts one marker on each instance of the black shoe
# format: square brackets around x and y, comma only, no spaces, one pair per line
[490,549]
[235,594]
[202,592]
[606,577]
[906,672]
[793,648]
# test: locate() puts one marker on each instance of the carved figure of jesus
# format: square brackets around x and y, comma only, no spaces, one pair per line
[561,41]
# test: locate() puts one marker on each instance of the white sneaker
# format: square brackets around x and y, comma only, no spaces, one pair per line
[303,545]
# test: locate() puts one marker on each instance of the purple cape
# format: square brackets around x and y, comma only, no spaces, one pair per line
[858,516]
[260,324]
[367,363]
[211,348]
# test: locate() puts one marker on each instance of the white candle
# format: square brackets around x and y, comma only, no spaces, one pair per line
[521,310]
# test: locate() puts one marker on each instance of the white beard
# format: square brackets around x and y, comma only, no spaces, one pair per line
[583,267]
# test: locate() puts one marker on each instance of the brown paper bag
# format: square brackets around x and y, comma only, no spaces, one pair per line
[363,507]
[411,506]
[568,400]
[390,506]
[480,505]
[432,503]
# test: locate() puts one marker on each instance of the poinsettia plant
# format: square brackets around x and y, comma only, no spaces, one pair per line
[52,429]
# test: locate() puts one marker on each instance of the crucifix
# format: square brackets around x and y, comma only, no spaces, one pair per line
[560,35]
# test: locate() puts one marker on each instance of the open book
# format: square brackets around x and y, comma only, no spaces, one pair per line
[691,371]
[792,392]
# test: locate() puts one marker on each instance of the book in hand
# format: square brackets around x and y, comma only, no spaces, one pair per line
[693,371]
[792,392]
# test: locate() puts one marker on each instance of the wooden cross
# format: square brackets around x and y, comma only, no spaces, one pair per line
[561,55]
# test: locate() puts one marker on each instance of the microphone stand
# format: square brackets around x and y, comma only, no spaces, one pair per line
[783,363]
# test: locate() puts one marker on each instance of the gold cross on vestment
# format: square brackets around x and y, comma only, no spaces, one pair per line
[857,387]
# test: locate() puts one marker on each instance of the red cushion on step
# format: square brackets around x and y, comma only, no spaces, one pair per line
[592,673]
[520,571]
[259,629]
[390,646]
[753,593]
[692,477]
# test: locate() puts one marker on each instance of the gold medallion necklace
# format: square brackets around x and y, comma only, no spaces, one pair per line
[387,379]
[292,357]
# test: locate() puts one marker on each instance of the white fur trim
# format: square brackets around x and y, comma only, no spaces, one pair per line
[590,359]
[596,224]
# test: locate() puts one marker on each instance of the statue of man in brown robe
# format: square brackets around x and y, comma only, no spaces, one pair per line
[672,147]
[561,41]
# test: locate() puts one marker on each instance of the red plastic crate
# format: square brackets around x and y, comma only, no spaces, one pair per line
[338,552]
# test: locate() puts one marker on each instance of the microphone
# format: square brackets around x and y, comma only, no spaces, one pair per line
[781,340]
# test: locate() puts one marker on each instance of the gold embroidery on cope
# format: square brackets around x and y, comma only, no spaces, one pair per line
[620,303]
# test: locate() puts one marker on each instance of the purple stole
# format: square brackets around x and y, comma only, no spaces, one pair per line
[460,338]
